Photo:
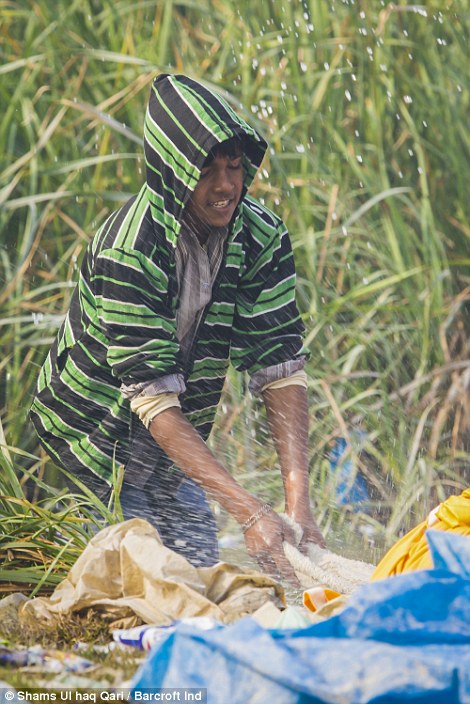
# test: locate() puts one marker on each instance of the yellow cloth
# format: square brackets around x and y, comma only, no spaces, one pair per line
[412,552]
[296,379]
[409,553]
[147,407]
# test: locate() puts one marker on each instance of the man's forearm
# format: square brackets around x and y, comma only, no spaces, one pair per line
[266,532]
[184,446]
[287,411]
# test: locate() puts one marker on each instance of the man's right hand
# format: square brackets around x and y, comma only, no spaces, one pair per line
[264,543]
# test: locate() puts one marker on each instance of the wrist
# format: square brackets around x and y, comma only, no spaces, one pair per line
[299,510]
[256,516]
[242,506]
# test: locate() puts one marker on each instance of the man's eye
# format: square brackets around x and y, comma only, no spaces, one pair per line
[235,163]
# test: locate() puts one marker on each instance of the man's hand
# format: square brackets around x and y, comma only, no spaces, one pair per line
[311,533]
[264,543]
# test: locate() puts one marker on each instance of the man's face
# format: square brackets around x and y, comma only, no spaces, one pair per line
[217,193]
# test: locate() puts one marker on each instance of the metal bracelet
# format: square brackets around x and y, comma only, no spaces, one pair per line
[254,518]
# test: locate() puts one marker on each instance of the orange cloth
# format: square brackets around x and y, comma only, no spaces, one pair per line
[411,552]
[316,598]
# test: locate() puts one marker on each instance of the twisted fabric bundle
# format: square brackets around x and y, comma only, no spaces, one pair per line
[323,567]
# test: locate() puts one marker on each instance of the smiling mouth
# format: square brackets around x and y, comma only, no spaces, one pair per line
[221,203]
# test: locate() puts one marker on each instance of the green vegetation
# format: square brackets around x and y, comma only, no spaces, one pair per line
[366,106]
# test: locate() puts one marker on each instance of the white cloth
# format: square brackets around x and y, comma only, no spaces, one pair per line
[323,567]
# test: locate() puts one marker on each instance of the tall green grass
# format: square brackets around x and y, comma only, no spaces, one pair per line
[365,107]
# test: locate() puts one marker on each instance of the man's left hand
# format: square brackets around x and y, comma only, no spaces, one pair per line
[311,533]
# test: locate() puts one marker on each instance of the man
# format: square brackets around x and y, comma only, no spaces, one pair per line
[190,274]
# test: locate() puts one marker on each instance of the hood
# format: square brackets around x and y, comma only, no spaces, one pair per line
[184,121]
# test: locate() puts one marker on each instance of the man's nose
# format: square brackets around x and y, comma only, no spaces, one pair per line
[223,179]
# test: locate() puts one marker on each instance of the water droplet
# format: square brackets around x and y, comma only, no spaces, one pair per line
[36,317]
[408,99]
[348,95]
[359,158]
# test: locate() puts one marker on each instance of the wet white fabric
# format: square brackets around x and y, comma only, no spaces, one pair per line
[323,567]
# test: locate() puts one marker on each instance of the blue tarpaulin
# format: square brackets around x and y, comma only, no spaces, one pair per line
[405,638]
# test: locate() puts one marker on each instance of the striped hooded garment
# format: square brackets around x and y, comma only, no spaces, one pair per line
[121,325]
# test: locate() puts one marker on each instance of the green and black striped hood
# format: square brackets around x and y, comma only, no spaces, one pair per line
[184,121]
